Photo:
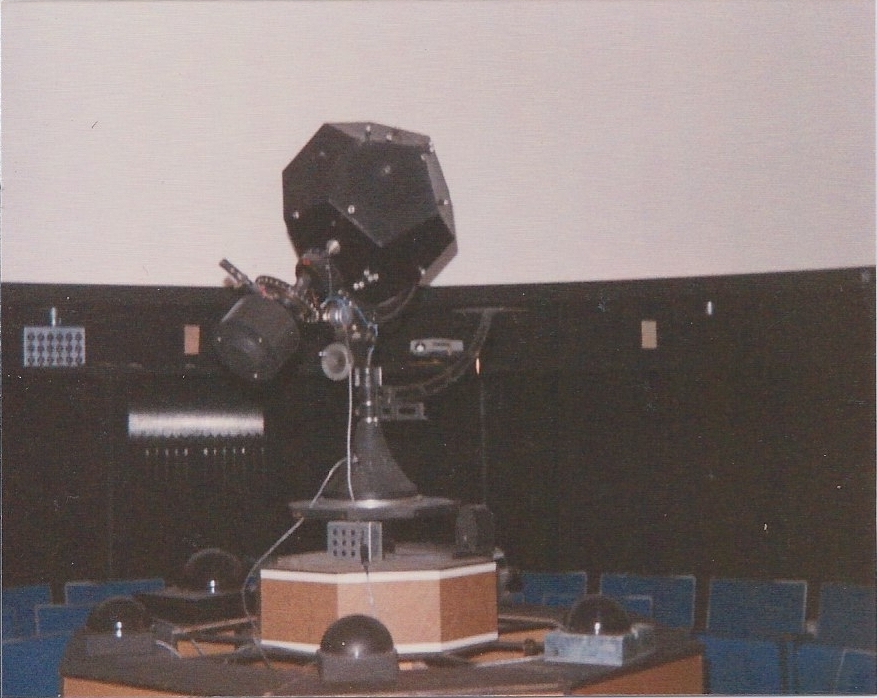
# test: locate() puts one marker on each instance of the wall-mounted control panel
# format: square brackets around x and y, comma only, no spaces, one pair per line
[53,347]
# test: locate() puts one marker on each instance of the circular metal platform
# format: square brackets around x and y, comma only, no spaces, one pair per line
[372,509]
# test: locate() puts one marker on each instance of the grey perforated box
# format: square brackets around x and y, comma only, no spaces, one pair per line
[53,347]
[360,541]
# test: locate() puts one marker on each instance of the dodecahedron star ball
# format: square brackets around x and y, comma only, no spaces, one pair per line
[380,192]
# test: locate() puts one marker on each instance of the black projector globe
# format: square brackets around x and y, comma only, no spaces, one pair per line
[357,648]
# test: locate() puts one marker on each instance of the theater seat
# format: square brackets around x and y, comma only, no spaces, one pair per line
[19,619]
[857,674]
[30,665]
[742,665]
[847,616]
[553,588]
[90,592]
[53,619]
[753,627]
[672,596]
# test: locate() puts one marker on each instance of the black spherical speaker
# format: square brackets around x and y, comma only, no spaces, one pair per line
[213,571]
[357,648]
[119,626]
[120,616]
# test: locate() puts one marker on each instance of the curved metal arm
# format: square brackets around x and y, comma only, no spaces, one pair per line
[439,382]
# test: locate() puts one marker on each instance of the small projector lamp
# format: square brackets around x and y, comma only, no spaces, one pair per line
[358,649]
[599,631]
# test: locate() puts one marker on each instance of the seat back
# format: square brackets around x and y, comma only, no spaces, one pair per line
[847,616]
[53,619]
[743,666]
[88,592]
[857,673]
[757,608]
[672,596]
[814,668]
[18,608]
[553,588]
[31,666]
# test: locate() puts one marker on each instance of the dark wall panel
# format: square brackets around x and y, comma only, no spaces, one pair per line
[744,444]
[55,488]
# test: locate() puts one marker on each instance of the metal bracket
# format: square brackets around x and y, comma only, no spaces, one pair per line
[395,410]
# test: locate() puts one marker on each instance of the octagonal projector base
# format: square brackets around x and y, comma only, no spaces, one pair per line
[428,600]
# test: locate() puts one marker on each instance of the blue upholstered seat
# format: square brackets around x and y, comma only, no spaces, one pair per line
[819,668]
[743,665]
[55,619]
[88,592]
[753,627]
[553,588]
[756,607]
[857,673]
[847,616]
[31,665]
[841,658]
[672,596]
[19,603]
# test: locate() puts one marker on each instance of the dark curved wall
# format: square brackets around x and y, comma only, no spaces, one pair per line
[743,445]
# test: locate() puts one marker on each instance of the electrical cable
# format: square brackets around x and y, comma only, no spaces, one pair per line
[350,435]
[256,565]
[396,304]
[169,647]
[368,584]
[326,480]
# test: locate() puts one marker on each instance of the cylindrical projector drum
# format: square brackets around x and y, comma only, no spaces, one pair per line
[256,337]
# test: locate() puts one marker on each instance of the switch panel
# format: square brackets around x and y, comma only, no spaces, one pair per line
[54,347]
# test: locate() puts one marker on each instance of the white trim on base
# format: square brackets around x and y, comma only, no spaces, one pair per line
[402,649]
[377,577]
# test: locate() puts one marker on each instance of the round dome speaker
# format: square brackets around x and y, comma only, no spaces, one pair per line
[119,615]
[357,648]
[597,615]
[213,570]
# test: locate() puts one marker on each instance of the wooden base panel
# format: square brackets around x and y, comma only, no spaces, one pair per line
[426,610]
[682,677]
[86,688]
